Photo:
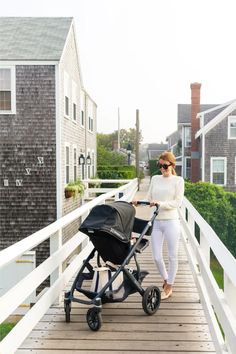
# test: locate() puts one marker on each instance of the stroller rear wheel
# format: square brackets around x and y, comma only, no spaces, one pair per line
[151,300]
[94,318]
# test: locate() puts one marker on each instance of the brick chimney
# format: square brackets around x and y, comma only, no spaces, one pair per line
[195,126]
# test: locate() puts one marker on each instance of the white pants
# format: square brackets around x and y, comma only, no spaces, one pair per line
[168,230]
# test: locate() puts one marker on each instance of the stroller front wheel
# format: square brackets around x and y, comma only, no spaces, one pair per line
[151,300]
[94,318]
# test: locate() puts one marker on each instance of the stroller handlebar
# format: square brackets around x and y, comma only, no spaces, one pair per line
[144,202]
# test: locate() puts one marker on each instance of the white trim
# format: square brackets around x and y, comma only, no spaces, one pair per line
[28,62]
[203,157]
[185,166]
[58,142]
[75,147]
[235,170]
[65,146]
[13,90]
[200,114]
[217,119]
[225,169]
[231,137]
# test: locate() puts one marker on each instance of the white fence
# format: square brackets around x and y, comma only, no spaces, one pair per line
[220,303]
[52,267]
[216,302]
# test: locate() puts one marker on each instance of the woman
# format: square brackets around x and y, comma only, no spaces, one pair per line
[167,191]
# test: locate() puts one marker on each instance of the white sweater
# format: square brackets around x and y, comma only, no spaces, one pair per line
[168,192]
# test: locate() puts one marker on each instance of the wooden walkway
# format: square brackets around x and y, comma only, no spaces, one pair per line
[179,326]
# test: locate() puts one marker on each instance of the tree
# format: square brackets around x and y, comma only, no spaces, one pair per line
[109,158]
[126,137]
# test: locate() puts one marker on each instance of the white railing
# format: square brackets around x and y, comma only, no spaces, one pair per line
[52,267]
[217,302]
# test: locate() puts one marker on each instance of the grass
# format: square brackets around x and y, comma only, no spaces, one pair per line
[5,328]
[217,271]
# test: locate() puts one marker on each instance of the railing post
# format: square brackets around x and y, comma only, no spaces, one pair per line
[191,224]
[56,244]
[230,293]
[205,248]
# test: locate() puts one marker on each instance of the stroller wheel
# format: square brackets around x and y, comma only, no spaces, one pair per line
[151,300]
[67,307]
[94,319]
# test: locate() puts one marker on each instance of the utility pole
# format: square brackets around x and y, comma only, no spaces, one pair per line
[118,135]
[137,144]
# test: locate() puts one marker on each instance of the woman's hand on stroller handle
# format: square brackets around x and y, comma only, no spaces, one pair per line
[145,202]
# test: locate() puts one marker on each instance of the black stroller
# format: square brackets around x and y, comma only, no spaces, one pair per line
[110,227]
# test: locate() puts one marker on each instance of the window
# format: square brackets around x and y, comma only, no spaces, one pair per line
[7,90]
[74,101]
[218,170]
[67,164]
[232,127]
[188,167]
[75,164]
[90,124]
[67,112]
[82,118]
[187,136]
[74,111]
[67,94]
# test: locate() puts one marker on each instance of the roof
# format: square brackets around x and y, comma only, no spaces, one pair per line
[184,111]
[33,38]
[222,112]
[157,147]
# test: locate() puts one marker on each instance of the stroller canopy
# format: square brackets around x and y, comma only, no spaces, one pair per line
[116,219]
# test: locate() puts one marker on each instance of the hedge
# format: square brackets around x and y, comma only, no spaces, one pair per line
[217,207]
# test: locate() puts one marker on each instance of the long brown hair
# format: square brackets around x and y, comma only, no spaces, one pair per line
[169,156]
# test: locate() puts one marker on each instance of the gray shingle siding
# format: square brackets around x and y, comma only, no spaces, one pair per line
[24,137]
[217,144]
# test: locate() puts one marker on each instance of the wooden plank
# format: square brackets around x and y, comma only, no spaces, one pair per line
[112,345]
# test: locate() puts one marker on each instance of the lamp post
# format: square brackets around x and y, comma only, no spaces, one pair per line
[129,150]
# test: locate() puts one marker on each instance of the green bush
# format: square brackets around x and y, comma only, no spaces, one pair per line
[115,172]
[217,207]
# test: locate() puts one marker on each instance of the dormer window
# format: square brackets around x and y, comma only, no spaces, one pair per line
[232,127]
[7,90]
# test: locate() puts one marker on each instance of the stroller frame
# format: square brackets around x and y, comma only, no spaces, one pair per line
[151,296]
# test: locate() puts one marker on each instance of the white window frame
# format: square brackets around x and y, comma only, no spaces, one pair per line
[235,170]
[82,109]
[67,164]
[66,94]
[225,169]
[75,162]
[90,125]
[13,90]
[185,137]
[185,167]
[74,102]
[230,118]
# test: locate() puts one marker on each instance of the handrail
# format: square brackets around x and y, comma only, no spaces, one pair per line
[17,294]
[219,304]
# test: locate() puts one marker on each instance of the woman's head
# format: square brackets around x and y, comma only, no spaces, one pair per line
[167,163]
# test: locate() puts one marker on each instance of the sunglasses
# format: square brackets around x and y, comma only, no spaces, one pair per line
[164,165]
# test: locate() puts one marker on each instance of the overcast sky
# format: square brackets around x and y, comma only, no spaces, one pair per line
[144,54]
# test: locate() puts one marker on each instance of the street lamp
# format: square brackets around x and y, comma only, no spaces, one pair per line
[129,150]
